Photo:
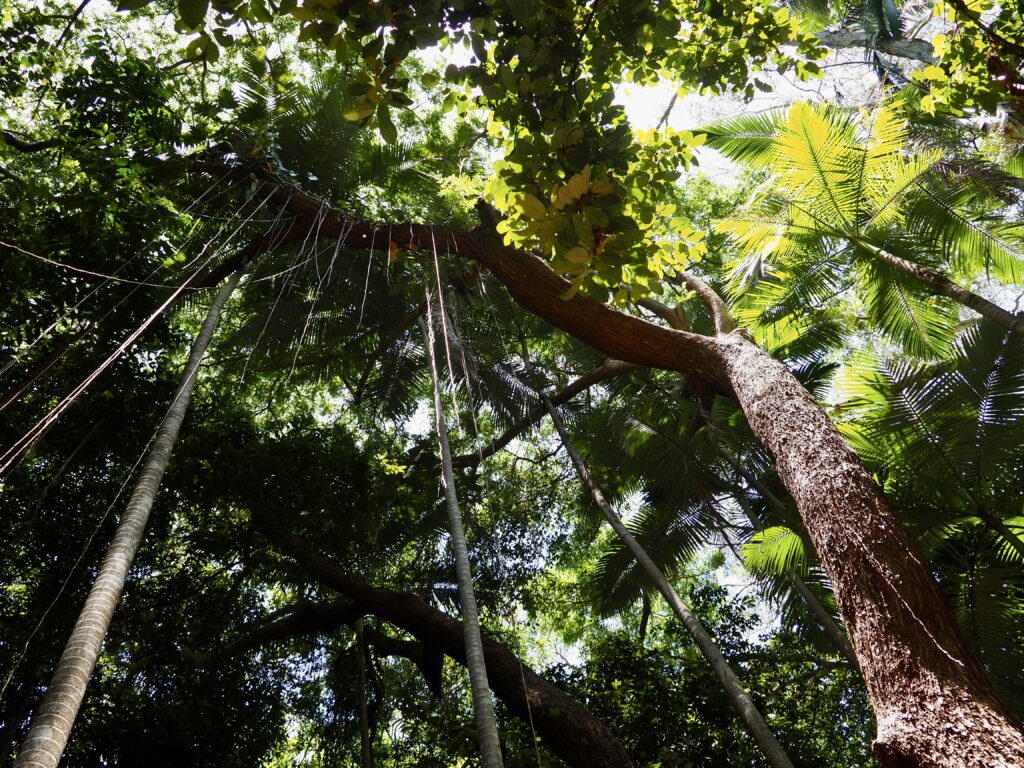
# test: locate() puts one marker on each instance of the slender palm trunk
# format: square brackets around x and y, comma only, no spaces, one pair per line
[48,734]
[748,713]
[943,286]
[483,707]
[365,743]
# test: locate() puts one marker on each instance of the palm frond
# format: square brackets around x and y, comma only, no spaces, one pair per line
[778,550]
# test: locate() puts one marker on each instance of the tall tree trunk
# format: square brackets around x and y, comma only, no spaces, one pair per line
[51,725]
[823,615]
[483,707]
[738,697]
[934,705]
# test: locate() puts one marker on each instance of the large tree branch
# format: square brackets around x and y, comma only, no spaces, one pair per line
[571,732]
[301,619]
[308,618]
[532,284]
[915,49]
[23,145]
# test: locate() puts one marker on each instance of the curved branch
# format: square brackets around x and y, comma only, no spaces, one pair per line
[607,370]
[530,281]
[568,729]
[724,322]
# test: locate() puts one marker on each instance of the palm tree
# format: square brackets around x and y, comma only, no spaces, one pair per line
[850,207]
[483,708]
[51,725]
[748,712]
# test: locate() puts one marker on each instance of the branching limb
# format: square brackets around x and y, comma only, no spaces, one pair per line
[724,322]
[607,370]
[571,732]
[11,140]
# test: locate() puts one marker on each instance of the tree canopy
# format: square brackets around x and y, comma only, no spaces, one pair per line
[351,325]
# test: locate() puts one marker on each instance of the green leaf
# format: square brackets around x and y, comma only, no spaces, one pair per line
[193,12]
[386,125]
[360,111]
[532,207]
[359,88]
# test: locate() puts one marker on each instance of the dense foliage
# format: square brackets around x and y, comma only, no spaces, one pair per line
[149,151]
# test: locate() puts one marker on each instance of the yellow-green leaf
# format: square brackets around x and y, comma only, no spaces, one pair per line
[359,111]
[532,207]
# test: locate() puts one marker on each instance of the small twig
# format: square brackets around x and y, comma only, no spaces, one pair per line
[667,112]
[71,23]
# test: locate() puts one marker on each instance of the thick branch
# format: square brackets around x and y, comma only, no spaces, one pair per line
[917,50]
[529,280]
[675,317]
[308,618]
[571,732]
[22,145]
[919,672]
[303,619]
[724,323]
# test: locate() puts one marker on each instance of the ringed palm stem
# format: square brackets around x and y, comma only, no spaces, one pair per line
[748,712]
[483,707]
[48,734]
[941,285]
[365,744]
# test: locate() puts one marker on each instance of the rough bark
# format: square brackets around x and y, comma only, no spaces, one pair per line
[751,718]
[934,705]
[720,313]
[823,616]
[483,707]
[913,48]
[566,727]
[51,725]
